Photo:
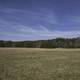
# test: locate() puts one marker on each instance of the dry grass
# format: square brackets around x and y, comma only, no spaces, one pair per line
[39,64]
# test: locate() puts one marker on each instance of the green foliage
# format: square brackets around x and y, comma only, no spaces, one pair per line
[54,43]
[2,44]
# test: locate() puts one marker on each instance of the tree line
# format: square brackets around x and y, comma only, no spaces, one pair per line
[53,43]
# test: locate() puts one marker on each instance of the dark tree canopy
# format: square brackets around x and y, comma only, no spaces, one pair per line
[54,43]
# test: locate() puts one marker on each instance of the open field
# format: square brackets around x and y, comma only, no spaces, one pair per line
[39,64]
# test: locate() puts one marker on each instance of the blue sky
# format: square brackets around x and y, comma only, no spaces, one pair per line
[39,19]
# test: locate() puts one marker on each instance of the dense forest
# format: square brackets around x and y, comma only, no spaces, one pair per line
[53,43]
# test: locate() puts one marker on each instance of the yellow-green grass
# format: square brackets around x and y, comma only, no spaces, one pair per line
[39,64]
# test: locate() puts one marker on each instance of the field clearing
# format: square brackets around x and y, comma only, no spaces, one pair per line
[39,64]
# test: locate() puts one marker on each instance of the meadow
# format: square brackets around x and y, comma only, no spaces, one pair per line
[39,64]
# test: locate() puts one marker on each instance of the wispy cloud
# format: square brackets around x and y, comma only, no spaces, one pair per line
[49,33]
[75,19]
[42,31]
[44,16]
[16,24]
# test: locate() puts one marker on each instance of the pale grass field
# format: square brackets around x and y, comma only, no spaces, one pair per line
[39,64]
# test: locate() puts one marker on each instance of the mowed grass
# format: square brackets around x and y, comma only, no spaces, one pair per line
[39,64]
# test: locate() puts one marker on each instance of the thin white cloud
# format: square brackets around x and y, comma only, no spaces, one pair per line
[48,33]
[75,19]
[45,15]
[29,32]
[22,30]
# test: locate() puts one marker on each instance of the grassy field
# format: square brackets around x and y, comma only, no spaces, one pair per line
[39,64]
